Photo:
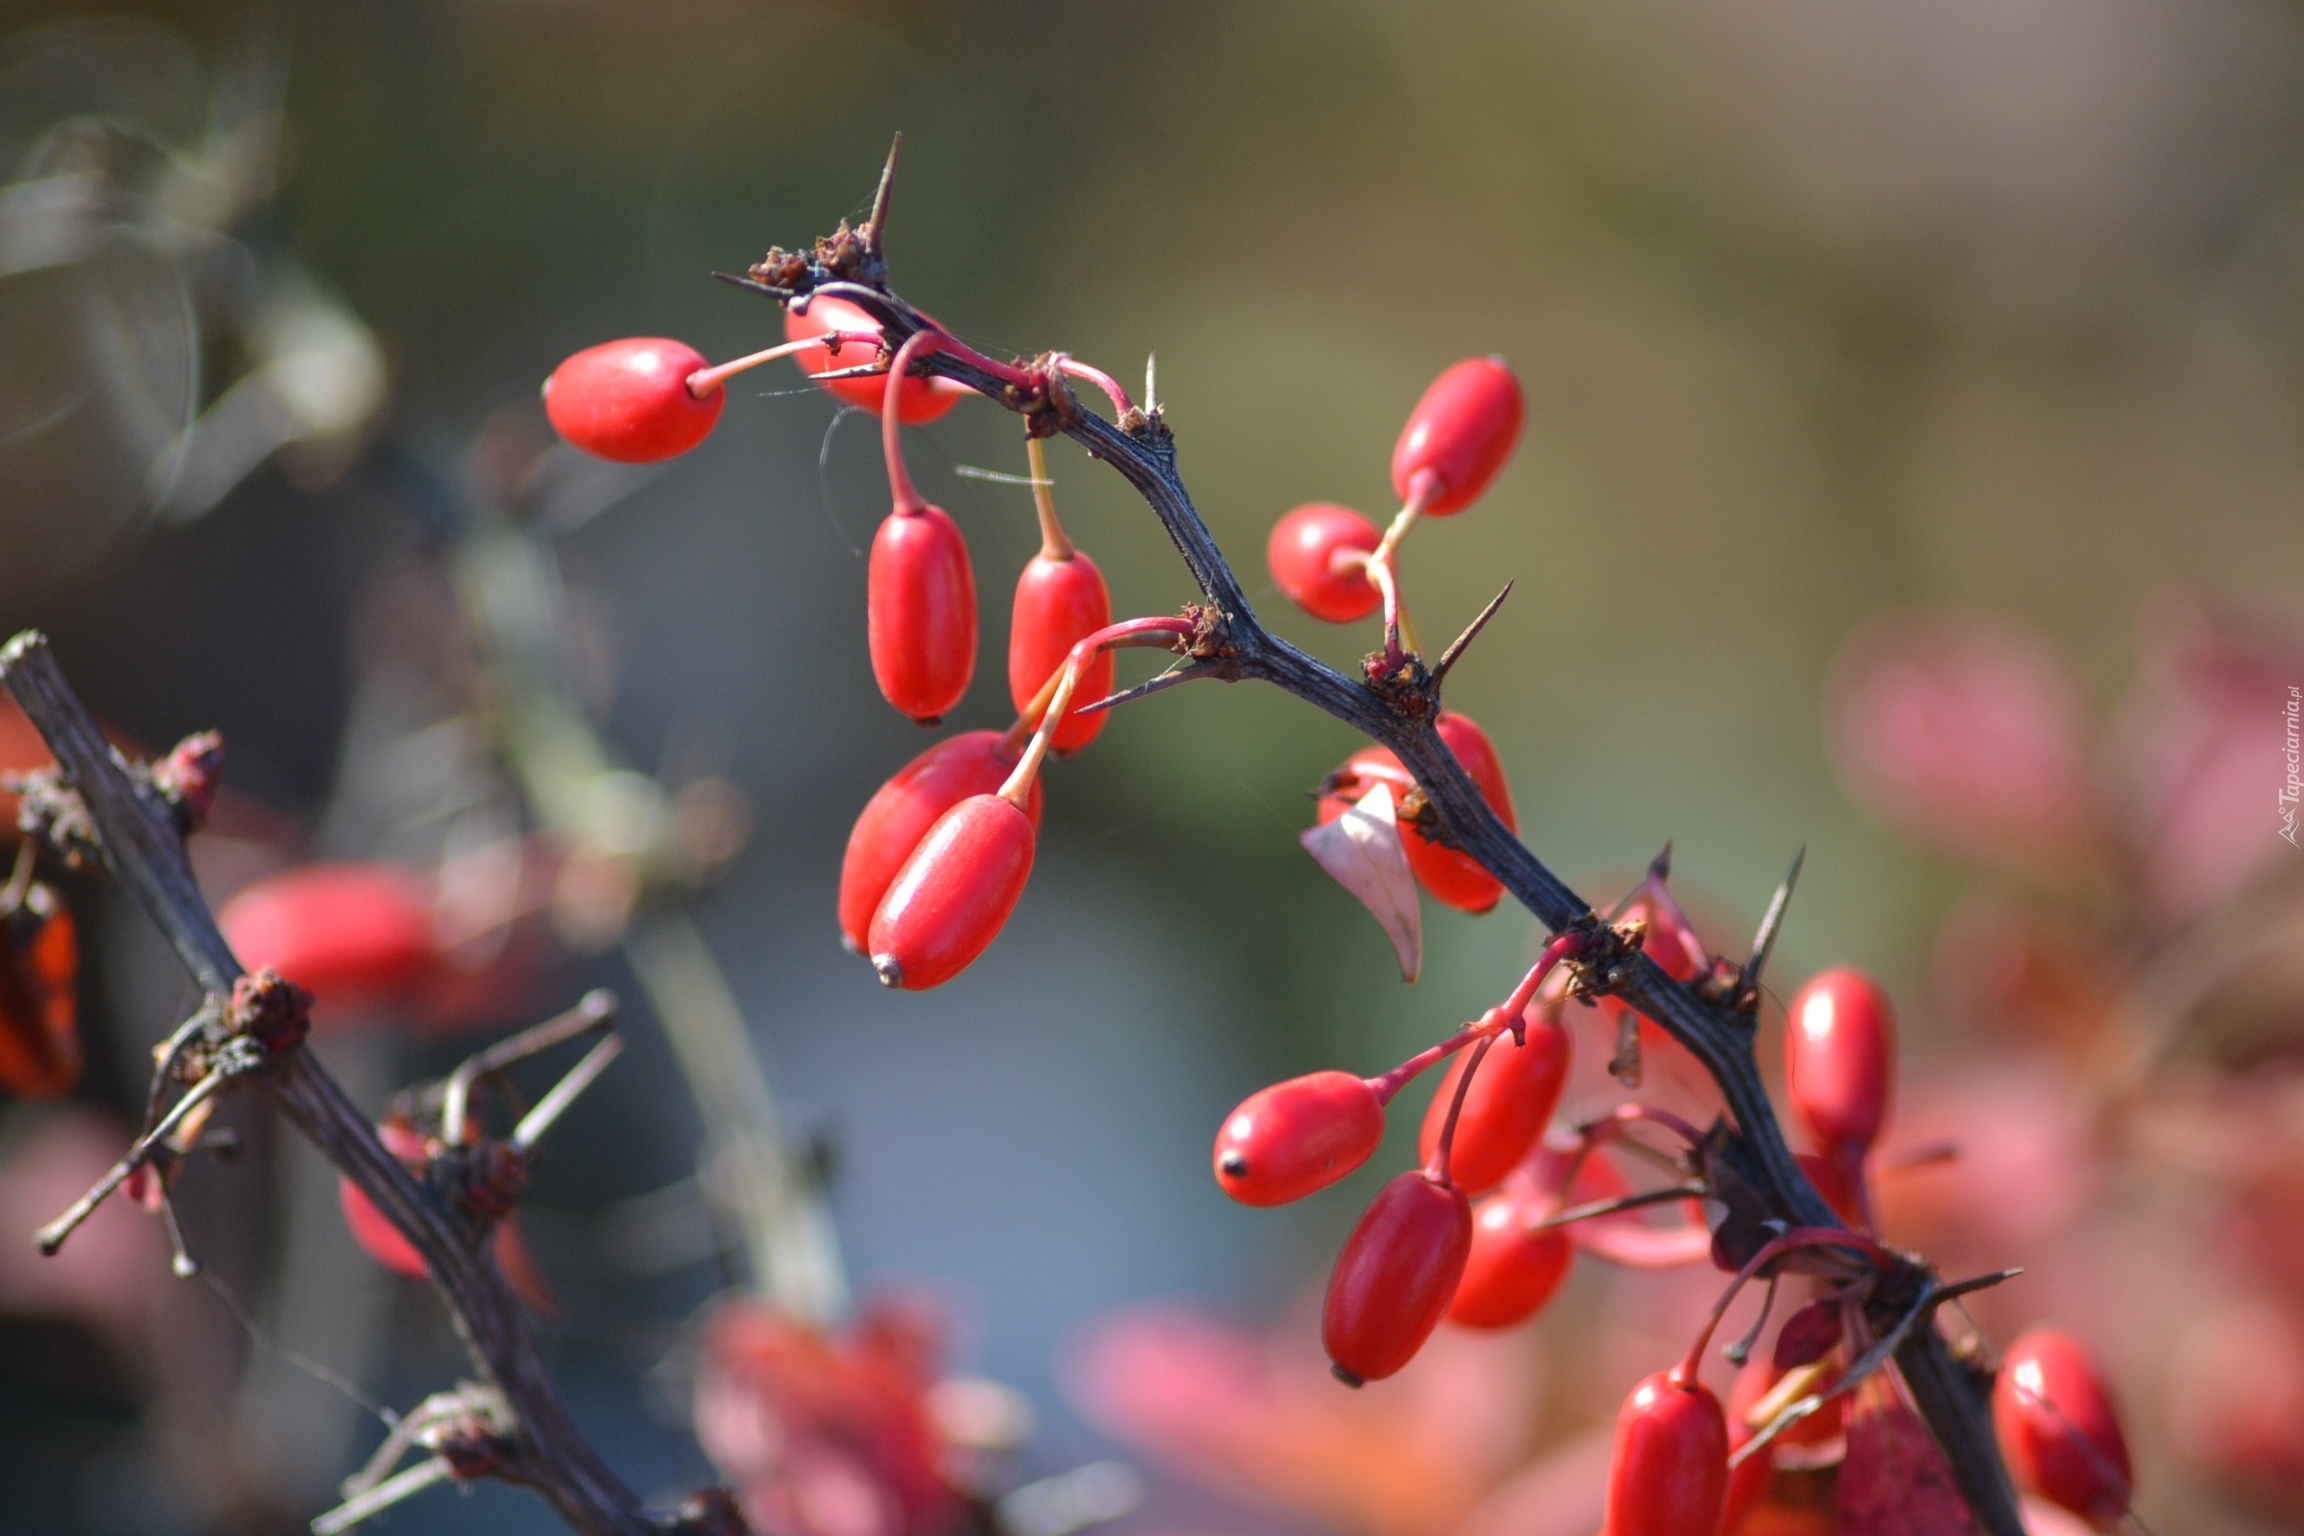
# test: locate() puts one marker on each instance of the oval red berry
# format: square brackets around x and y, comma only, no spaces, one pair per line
[1293,1138]
[920,612]
[1460,434]
[1302,553]
[354,935]
[1393,1280]
[1059,603]
[40,1056]
[629,400]
[900,813]
[953,895]
[920,400]
[1840,1059]
[1454,878]
[1668,1471]
[2058,1427]
[1505,1108]
[1514,1266]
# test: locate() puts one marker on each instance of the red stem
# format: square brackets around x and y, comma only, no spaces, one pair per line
[1437,1169]
[1507,1014]
[1684,1374]
[1099,378]
[907,496]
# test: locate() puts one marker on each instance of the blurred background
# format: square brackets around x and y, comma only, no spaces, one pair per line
[1912,473]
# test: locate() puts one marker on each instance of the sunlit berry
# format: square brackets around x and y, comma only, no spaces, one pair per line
[1460,434]
[920,399]
[1302,553]
[920,611]
[1059,603]
[1668,1470]
[949,901]
[354,935]
[1506,1107]
[2058,1427]
[1453,877]
[900,813]
[40,1055]
[1394,1278]
[629,400]
[1293,1138]
[1514,1265]
[1840,1059]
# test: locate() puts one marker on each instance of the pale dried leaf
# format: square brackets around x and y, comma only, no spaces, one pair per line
[1895,1481]
[1363,851]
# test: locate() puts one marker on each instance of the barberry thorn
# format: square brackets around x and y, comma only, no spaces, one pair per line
[1154,685]
[876,225]
[1772,923]
[595,1010]
[1456,647]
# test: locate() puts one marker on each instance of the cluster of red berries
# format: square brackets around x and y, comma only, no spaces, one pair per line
[1425,1252]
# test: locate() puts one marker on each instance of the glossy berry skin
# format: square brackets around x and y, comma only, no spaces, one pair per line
[1059,603]
[629,400]
[1840,1059]
[40,1054]
[1505,1109]
[1461,432]
[920,609]
[919,401]
[1301,552]
[1668,1472]
[1288,1140]
[353,935]
[901,812]
[1514,1267]
[1453,878]
[1394,1278]
[2058,1427]
[952,896]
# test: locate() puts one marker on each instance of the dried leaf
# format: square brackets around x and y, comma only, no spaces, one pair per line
[1363,851]
[1808,1334]
[1895,1481]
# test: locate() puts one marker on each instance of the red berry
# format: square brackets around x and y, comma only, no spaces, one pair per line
[1293,1138]
[1840,1054]
[1514,1266]
[954,893]
[1461,432]
[1302,551]
[1393,1281]
[1059,603]
[384,1242]
[353,935]
[920,400]
[920,608]
[1452,877]
[1506,1108]
[2058,1428]
[629,400]
[39,998]
[899,815]
[1668,1472]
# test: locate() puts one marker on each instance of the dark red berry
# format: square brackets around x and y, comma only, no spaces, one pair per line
[1514,1266]
[1302,553]
[1293,1138]
[899,815]
[40,1054]
[1840,1057]
[1393,1280]
[1059,603]
[629,400]
[1668,1472]
[921,398]
[1460,434]
[1452,877]
[354,935]
[952,896]
[920,606]
[2059,1429]
[1505,1109]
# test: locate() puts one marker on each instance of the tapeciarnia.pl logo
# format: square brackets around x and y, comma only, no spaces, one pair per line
[2295,756]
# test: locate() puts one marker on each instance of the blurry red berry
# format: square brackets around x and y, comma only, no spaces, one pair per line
[920,608]
[382,1240]
[920,400]
[353,935]
[1461,432]
[629,400]
[1302,552]
[1840,1058]
[1514,1266]
[2058,1428]
[1452,877]
[1393,1280]
[1505,1109]
[899,815]
[952,896]
[1059,603]
[39,997]
[1840,1181]
[1668,1472]
[1293,1138]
